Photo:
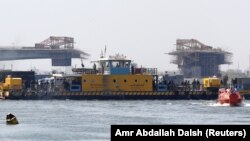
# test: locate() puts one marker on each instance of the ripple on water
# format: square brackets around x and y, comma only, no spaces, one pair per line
[61,120]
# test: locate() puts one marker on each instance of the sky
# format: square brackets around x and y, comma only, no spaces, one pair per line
[143,30]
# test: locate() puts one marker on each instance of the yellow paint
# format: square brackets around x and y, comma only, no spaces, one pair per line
[245,92]
[92,82]
[1,86]
[211,82]
[12,83]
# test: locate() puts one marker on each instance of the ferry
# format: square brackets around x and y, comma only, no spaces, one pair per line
[112,77]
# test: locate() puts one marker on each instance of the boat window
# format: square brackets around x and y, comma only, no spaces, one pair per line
[107,64]
[115,64]
[126,64]
[84,80]
[122,64]
[146,80]
[125,80]
[135,80]
[114,80]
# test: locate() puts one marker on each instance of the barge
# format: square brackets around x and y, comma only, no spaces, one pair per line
[113,77]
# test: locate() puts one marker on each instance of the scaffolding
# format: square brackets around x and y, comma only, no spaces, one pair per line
[196,60]
[56,42]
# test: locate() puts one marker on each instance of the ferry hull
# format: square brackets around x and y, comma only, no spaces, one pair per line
[174,95]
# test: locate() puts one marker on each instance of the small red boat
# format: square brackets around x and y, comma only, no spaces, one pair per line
[229,96]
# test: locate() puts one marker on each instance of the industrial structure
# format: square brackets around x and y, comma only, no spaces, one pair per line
[195,59]
[59,49]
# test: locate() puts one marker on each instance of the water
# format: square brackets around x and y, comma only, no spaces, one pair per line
[70,120]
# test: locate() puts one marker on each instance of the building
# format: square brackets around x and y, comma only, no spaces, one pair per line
[195,59]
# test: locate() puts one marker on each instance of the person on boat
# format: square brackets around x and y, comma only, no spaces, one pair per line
[235,89]
[94,66]
[231,91]
[133,69]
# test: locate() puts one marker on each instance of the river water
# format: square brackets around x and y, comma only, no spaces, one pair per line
[69,120]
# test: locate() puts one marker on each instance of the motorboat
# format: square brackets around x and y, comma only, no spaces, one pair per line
[230,96]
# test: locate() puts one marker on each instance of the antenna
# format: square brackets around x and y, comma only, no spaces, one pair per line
[82,63]
[102,54]
[82,57]
[105,51]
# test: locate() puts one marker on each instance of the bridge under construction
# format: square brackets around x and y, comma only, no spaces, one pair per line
[195,59]
[59,49]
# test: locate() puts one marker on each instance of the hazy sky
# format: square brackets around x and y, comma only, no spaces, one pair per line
[143,30]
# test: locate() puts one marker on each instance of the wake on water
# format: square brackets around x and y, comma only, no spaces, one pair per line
[216,104]
[227,105]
